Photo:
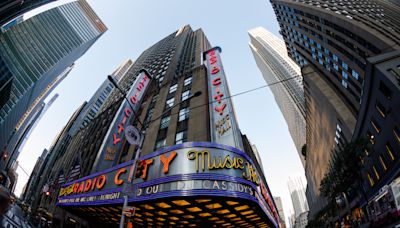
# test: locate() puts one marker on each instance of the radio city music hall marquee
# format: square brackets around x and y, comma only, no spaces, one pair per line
[175,164]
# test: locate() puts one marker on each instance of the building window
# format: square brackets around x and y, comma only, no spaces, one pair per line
[187,81]
[154,99]
[376,173]
[382,163]
[375,125]
[389,149]
[181,137]
[336,67]
[170,102]
[380,109]
[345,75]
[371,181]
[161,143]
[396,133]
[355,74]
[149,115]
[183,114]
[345,66]
[335,58]
[385,90]
[344,83]
[185,95]
[173,88]
[165,122]
[371,137]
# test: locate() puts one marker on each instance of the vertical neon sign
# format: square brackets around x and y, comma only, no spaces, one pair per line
[111,148]
[224,128]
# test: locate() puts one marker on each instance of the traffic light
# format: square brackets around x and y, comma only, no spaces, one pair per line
[47,193]
[5,156]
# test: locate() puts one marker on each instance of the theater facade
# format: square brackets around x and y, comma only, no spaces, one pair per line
[189,184]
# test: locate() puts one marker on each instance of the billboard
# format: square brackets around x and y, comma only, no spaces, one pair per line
[224,128]
[114,140]
[189,169]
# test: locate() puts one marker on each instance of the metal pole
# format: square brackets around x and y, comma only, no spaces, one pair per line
[122,221]
[112,80]
[133,172]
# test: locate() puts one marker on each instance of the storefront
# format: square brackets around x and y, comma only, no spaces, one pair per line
[190,184]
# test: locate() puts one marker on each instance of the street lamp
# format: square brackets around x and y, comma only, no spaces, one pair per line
[142,134]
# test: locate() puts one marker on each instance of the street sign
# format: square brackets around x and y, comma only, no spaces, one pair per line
[132,135]
[128,211]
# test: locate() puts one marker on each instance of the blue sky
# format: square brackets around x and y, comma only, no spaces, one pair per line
[133,26]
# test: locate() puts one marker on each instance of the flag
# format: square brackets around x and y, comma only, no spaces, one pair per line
[45,188]
[75,170]
[61,177]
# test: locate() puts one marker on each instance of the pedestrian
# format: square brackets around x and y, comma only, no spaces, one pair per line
[5,201]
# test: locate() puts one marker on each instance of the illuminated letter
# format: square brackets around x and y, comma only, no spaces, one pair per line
[120,128]
[166,161]
[101,181]
[215,165]
[218,97]
[127,112]
[116,140]
[213,59]
[145,163]
[80,189]
[93,183]
[220,109]
[194,155]
[252,175]
[76,186]
[216,81]
[117,181]
[133,100]
[87,185]
[226,161]
[214,70]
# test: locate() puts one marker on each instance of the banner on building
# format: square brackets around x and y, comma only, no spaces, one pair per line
[112,145]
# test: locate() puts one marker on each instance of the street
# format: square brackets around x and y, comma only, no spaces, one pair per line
[14,218]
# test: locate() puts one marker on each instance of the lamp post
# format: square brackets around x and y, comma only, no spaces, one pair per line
[112,80]
[142,135]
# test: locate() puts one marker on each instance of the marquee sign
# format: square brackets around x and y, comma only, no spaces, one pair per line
[113,142]
[224,128]
[191,169]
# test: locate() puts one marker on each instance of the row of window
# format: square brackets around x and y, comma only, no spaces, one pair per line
[383,161]
[186,82]
[180,138]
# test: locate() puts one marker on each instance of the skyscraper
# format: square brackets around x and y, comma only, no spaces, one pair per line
[297,193]
[279,207]
[181,104]
[10,9]
[332,42]
[95,103]
[35,52]
[271,57]
[379,119]
[317,33]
